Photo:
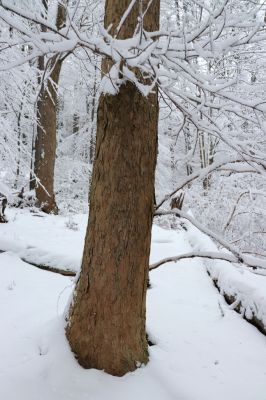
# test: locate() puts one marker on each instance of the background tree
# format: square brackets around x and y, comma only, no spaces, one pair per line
[45,143]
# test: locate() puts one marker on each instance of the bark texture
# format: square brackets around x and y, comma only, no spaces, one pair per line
[45,143]
[106,324]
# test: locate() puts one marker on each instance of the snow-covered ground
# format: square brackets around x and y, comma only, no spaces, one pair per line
[247,288]
[55,241]
[203,349]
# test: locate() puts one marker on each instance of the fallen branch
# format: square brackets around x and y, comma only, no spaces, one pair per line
[203,254]
[61,271]
[232,300]
[239,257]
[239,308]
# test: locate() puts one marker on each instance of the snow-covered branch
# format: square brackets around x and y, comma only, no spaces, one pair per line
[237,256]
[229,164]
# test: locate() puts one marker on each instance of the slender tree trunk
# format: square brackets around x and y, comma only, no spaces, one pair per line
[106,323]
[93,117]
[45,143]
[18,146]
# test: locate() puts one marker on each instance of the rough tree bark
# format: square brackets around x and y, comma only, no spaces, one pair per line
[45,142]
[106,322]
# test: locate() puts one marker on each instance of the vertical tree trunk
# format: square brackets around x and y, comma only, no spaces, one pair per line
[106,325]
[19,115]
[93,116]
[45,143]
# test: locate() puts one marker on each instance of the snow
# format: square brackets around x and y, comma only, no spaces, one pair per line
[246,287]
[5,191]
[44,239]
[203,350]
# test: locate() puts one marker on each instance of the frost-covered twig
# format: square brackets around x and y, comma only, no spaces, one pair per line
[236,204]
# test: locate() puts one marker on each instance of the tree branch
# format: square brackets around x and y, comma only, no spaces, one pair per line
[210,255]
[239,257]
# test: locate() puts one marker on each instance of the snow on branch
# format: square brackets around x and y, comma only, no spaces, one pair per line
[229,164]
[167,58]
[172,52]
[236,256]
[194,65]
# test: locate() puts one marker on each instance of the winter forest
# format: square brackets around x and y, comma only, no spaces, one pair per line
[133,199]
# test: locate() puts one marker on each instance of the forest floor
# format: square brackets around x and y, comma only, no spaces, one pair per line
[203,349]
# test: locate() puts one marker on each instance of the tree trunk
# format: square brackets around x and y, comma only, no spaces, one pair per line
[106,322]
[45,143]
